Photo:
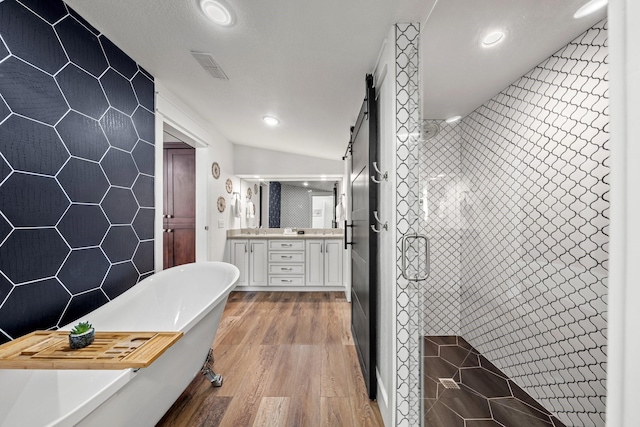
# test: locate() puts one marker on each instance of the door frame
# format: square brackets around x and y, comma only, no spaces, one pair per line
[165,123]
[623,373]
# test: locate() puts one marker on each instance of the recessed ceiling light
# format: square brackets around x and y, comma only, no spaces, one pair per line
[218,11]
[590,7]
[492,39]
[305,183]
[271,121]
[453,119]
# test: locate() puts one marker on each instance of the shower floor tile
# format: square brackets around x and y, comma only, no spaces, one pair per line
[486,397]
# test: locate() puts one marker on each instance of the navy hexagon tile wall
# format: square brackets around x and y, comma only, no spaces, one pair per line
[42,49]
[76,129]
[76,168]
[30,146]
[29,91]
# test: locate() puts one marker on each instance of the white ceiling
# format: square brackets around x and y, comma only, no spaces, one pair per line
[458,75]
[304,62]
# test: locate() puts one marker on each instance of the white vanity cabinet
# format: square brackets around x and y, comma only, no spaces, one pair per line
[258,263]
[287,263]
[250,256]
[324,262]
[333,256]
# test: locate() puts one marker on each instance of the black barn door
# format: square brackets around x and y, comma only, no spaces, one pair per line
[364,197]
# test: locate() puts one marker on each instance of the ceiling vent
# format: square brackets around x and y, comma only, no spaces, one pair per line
[211,66]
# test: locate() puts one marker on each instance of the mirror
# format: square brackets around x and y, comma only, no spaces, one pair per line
[282,203]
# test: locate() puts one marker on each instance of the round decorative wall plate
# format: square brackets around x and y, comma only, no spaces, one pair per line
[215,170]
[249,193]
[222,204]
[229,185]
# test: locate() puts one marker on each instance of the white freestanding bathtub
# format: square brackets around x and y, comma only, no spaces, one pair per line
[188,298]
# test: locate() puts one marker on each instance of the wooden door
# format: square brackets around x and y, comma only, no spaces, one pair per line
[364,199]
[179,221]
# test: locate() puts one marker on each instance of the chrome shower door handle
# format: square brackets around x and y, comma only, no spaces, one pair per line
[405,245]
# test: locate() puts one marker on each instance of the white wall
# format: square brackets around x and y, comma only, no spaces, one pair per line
[623,372]
[257,161]
[211,147]
[386,372]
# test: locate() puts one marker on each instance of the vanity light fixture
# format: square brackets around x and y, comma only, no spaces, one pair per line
[453,119]
[218,11]
[590,7]
[271,121]
[492,39]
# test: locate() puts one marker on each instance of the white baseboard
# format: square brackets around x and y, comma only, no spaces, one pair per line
[383,401]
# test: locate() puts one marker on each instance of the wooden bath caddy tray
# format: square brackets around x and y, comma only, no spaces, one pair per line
[109,350]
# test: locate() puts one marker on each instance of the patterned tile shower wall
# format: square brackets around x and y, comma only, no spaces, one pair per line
[535,251]
[407,218]
[296,206]
[76,168]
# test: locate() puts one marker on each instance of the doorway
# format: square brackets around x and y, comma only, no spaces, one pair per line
[179,203]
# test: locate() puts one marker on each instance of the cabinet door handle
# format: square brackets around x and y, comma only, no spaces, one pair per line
[286,269]
[286,256]
[245,247]
[286,280]
[286,245]
[252,248]
[321,248]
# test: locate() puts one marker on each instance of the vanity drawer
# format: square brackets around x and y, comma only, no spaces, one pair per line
[286,280]
[286,256]
[286,245]
[286,268]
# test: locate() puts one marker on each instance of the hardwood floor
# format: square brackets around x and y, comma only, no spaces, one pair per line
[287,359]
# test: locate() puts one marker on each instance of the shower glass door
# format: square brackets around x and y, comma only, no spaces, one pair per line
[429,223]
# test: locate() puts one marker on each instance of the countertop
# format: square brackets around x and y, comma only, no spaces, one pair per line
[268,233]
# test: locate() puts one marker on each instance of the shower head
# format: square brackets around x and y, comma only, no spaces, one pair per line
[429,129]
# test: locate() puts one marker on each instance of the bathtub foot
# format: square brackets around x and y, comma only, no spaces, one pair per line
[207,371]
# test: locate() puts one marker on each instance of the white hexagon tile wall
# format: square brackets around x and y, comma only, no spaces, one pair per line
[76,168]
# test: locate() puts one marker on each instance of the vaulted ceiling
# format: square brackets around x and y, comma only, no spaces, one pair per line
[305,62]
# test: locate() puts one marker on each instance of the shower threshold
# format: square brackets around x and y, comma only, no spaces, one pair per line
[486,397]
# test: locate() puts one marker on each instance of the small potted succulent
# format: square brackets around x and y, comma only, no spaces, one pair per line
[81,335]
